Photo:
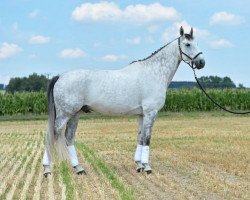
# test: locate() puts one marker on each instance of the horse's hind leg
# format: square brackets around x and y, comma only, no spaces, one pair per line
[138,150]
[70,137]
[46,162]
[60,123]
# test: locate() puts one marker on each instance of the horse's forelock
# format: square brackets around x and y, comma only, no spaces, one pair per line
[188,36]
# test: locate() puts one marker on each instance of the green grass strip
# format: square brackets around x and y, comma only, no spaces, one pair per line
[91,116]
[67,180]
[99,165]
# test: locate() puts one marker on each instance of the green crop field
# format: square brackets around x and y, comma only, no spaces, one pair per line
[193,156]
[176,101]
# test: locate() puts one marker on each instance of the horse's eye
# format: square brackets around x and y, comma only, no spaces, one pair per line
[188,45]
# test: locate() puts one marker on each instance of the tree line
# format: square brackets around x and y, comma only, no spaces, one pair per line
[32,83]
[39,83]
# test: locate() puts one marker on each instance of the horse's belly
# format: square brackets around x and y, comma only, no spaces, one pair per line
[115,109]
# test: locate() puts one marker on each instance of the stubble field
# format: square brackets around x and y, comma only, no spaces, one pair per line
[199,156]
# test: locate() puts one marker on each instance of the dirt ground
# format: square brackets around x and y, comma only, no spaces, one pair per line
[201,156]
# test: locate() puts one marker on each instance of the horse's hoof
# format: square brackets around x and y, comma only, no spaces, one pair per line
[46,174]
[82,172]
[140,167]
[47,171]
[79,170]
[147,169]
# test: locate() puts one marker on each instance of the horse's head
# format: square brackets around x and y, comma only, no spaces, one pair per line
[189,50]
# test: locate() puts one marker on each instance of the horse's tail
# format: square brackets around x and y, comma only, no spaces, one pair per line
[50,137]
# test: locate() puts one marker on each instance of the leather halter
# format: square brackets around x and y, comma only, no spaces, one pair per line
[191,59]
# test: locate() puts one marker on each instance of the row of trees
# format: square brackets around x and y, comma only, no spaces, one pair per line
[217,82]
[32,83]
[38,83]
[211,82]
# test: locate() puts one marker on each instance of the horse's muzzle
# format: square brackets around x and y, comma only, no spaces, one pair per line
[199,63]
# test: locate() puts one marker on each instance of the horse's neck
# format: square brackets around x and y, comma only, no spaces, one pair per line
[164,64]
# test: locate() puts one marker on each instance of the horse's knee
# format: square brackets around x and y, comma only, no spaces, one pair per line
[147,134]
[147,140]
[149,120]
[140,138]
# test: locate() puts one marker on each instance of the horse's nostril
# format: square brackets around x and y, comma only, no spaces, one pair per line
[202,62]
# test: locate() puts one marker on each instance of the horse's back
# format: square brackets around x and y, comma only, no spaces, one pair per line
[105,91]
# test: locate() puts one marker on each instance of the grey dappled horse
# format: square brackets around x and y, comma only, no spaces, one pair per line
[139,89]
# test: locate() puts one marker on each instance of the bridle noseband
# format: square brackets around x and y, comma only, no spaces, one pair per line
[191,59]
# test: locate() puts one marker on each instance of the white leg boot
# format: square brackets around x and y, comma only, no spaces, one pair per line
[145,159]
[74,160]
[46,164]
[137,158]
[72,155]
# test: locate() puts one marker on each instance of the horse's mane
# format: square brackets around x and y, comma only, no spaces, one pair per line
[151,54]
[187,36]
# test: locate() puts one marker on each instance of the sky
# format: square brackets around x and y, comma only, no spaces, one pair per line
[51,37]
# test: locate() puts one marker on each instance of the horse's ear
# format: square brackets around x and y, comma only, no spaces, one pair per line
[181,31]
[191,32]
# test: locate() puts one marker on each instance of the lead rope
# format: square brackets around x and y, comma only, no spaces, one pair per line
[210,98]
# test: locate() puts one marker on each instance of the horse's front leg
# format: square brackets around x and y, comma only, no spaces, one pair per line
[138,150]
[148,122]
[70,138]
